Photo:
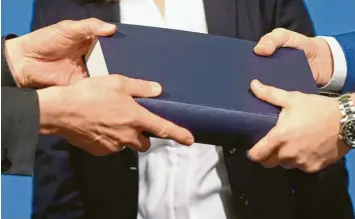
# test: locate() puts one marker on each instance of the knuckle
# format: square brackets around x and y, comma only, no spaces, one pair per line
[133,117]
[313,169]
[126,140]
[301,162]
[279,30]
[116,81]
[310,170]
[64,24]
[270,38]
[128,115]
[265,37]
[99,153]
[93,20]
[295,93]
[127,137]
[163,133]
[274,138]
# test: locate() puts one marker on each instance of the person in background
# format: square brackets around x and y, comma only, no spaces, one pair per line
[40,60]
[313,137]
[171,181]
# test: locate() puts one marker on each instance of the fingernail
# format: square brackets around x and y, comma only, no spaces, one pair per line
[258,84]
[107,26]
[259,46]
[156,88]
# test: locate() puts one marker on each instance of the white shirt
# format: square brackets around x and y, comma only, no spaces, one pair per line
[337,81]
[175,181]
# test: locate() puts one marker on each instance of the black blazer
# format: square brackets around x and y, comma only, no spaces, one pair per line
[19,122]
[70,183]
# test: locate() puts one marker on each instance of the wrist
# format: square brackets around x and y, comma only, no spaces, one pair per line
[53,109]
[326,61]
[347,110]
[15,57]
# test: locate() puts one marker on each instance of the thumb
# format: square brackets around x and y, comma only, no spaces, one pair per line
[84,29]
[266,147]
[272,95]
[139,88]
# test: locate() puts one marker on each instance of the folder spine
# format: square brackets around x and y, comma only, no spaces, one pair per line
[213,125]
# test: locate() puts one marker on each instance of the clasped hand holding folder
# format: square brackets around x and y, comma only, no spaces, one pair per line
[205,79]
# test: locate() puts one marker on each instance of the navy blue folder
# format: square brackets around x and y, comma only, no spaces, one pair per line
[205,79]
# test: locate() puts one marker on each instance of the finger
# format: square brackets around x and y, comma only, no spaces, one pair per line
[132,138]
[101,147]
[280,38]
[141,143]
[313,168]
[84,29]
[287,157]
[163,128]
[288,165]
[272,162]
[272,95]
[266,147]
[140,88]
[272,41]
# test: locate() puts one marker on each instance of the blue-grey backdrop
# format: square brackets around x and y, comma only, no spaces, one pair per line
[330,17]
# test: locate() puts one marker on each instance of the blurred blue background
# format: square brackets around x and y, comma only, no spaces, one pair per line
[329,16]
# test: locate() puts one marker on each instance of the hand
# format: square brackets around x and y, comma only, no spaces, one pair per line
[53,55]
[100,115]
[306,135]
[316,49]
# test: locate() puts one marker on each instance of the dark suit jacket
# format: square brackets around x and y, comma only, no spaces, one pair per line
[70,183]
[19,122]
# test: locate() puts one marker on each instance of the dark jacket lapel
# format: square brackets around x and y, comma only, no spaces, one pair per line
[221,17]
[106,11]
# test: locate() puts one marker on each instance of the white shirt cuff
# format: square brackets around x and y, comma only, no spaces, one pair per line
[337,82]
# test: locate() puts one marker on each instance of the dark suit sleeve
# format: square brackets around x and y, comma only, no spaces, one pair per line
[19,125]
[7,78]
[293,15]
